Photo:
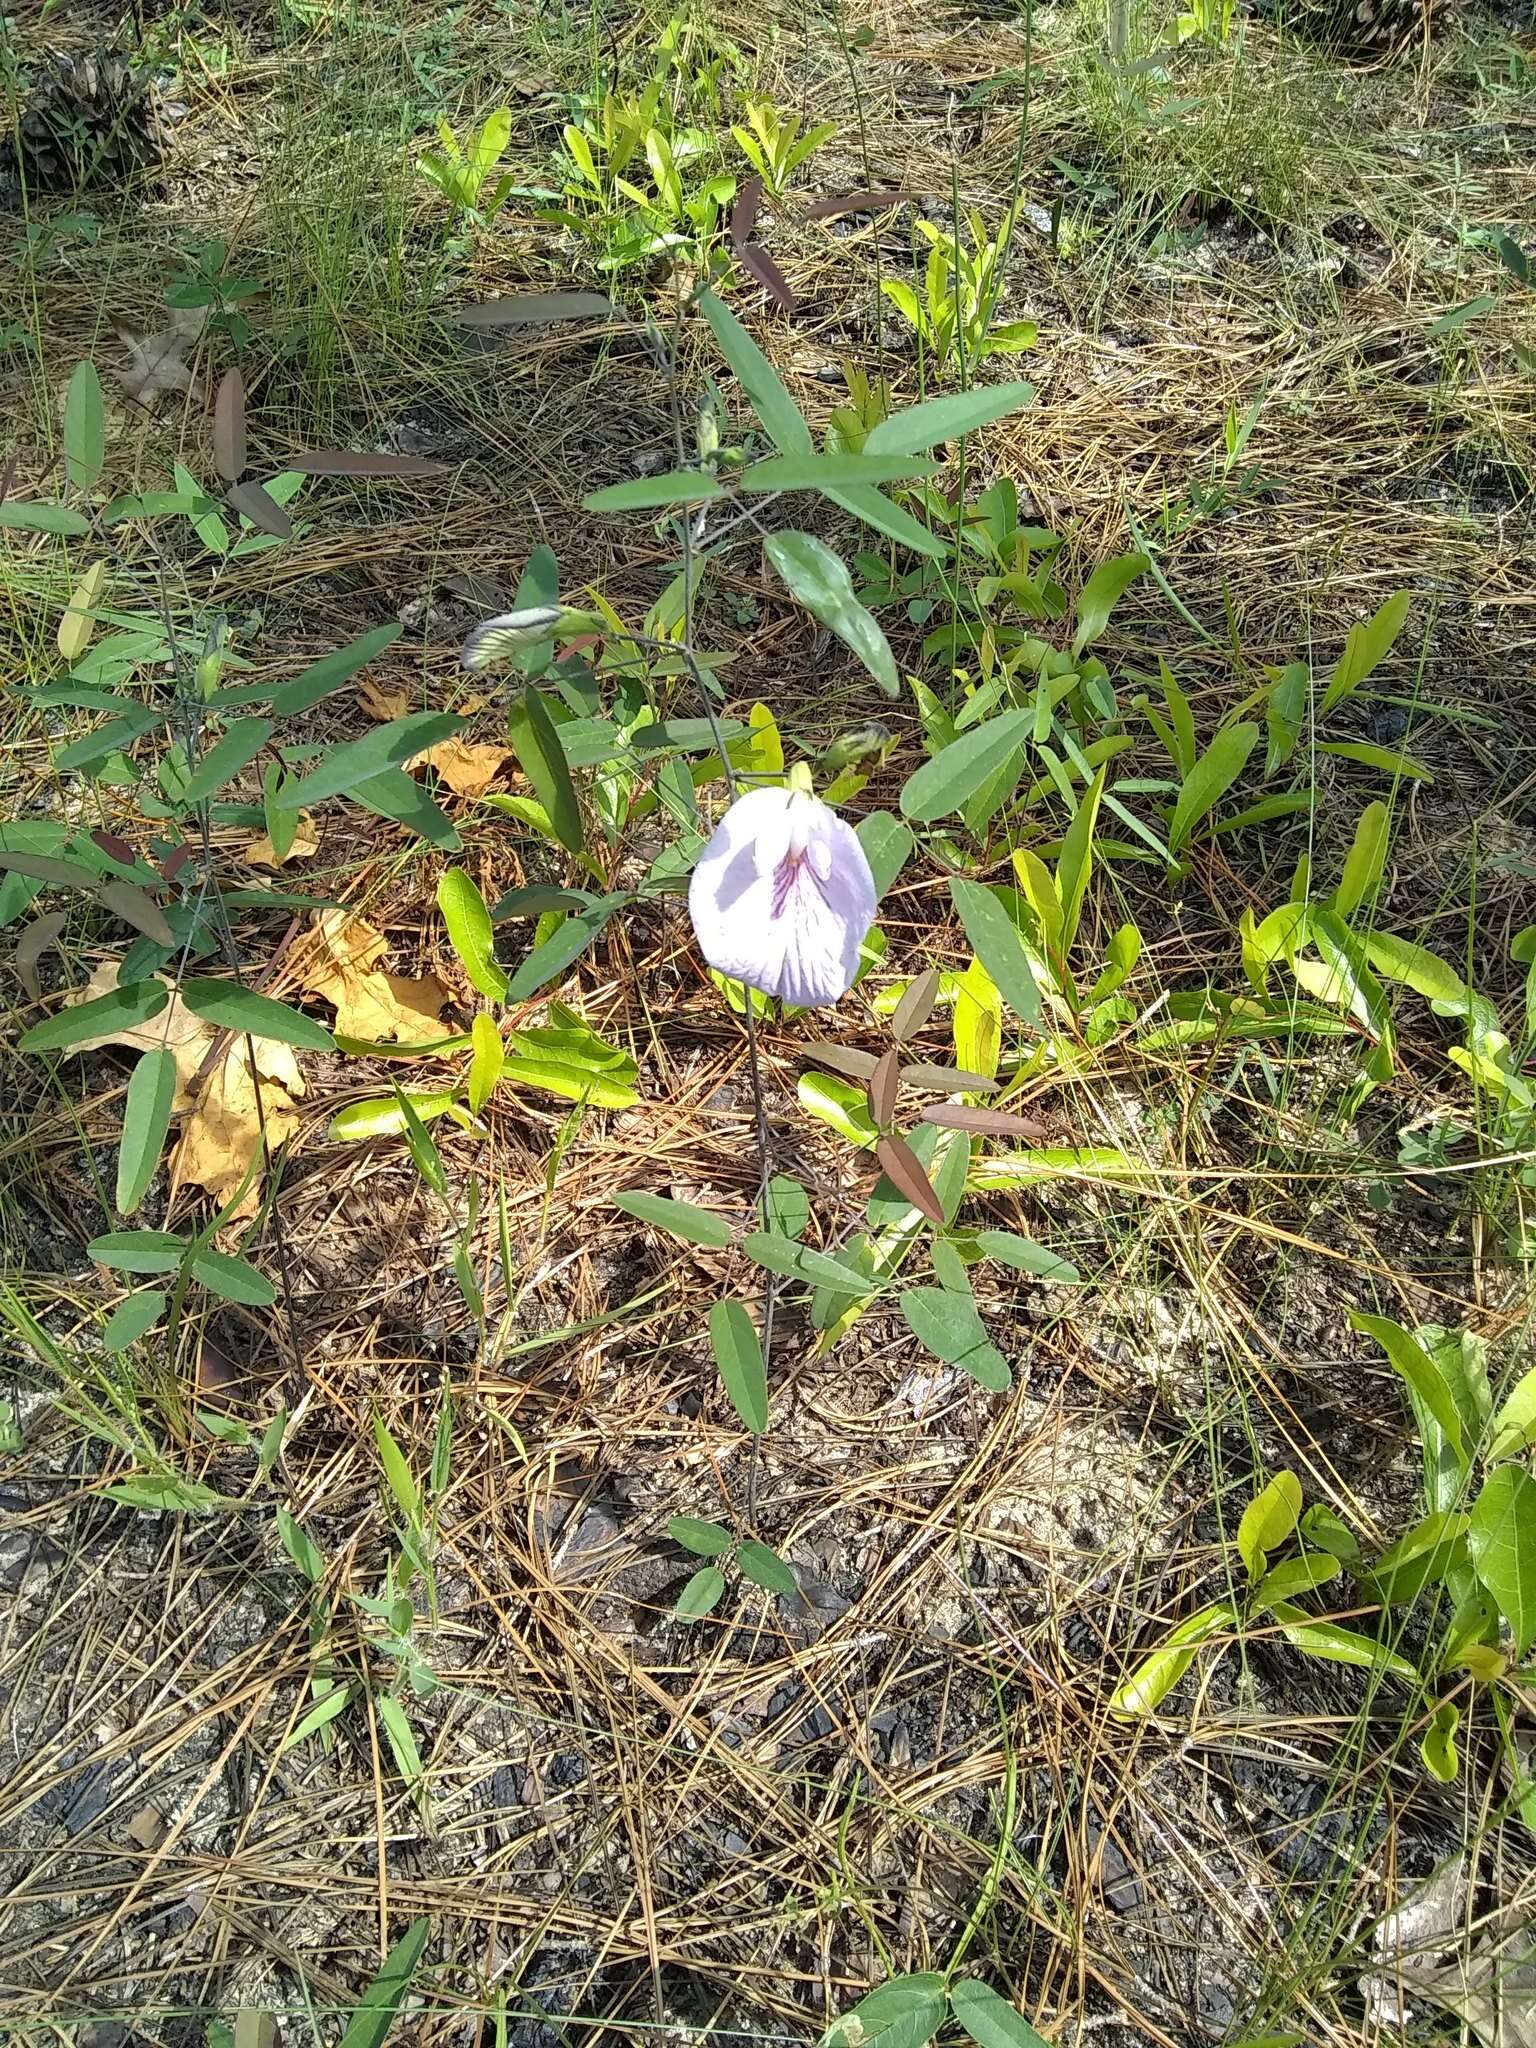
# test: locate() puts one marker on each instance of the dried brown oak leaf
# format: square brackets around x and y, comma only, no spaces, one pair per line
[338,961]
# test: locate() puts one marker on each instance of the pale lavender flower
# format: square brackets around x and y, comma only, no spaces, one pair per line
[782,897]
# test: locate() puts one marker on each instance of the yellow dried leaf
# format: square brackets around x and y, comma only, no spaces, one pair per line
[186,1036]
[260,853]
[337,963]
[224,1133]
[467,767]
[381,703]
[77,627]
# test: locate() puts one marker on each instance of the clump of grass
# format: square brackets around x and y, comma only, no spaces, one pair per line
[1213,129]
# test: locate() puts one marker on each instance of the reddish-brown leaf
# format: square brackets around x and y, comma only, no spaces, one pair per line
[916,1006]
[744,212]
[173,864]
[533,309]
[767,273]
[115,848]
[883,1084]
[904,1170]
[364,462]
[990,1123]
[39,935]
[860,202]
[264,512]
[842,1059]
[925,1074]
[229,427]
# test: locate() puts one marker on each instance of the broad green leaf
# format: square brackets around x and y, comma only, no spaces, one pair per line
[486,1062]
[704,1539]
[789,1208]
[1390,760]
[645,493]
[124,1009]
[819,580]
[1514,1427]
[878,511]
[300,1546]
[946,419]
[1294,1576]
[1156,1676]
[357,762]
[944,783]
[1366,861]
[1210,779]
[374,2014]
[146,1119]
[703,1592]
[1098,596]
[234,1008]
[470,932]
[905,2013]
[164,1494]
[559,950]
[1268,1521]
[1419,969]
[535,739]
[948,1325]
[132,1318]
[240,743]
[780,416]
[1502,1542]
[739,1354]
[765,1568]
[1365,646]
[887,844]
[77,627]
[829,472]
[85,428]
[990,2021]
[1419,1371]
[26,515]
[383,1117]
[567,1059]
[139,1251]
[1025,1256]
[331,671]
[232,1279]
[681,1219]
[1423,1557]
[1074,865]
[995,937]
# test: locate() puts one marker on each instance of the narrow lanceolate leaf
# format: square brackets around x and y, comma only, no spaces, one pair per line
[470,932]
[798,1262]
[138,1251]
[884,1081]
[364,462]
[1418,1370]
[85,428]
[1210,779]
[986,1123]
[257,504]
[781,417]
[681,1219]
[916,1006]
[904,1170]
[232,1279]
[1502,1540]
[77,626]
[948,1325]
[744,212]
[851,1060]
[829,472]
[241,742]
[487,1061]
[739,1354]
[318,1717]
[1335,1644]
[952,777]
[535,739]
[945,419]
[650,493]
[703,1592]
[331,671]
[997,945]
[146,1119]
[104,1016]
[135,908]
[234,1008]
[534,309]
[559,951]
[931,1074]
[229,427]
[1366,860]
[1150,1683]
[755,260]
[39,935]
[1025,1256]
[345,768]
[819,579]
[28,515]
[374,2014]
